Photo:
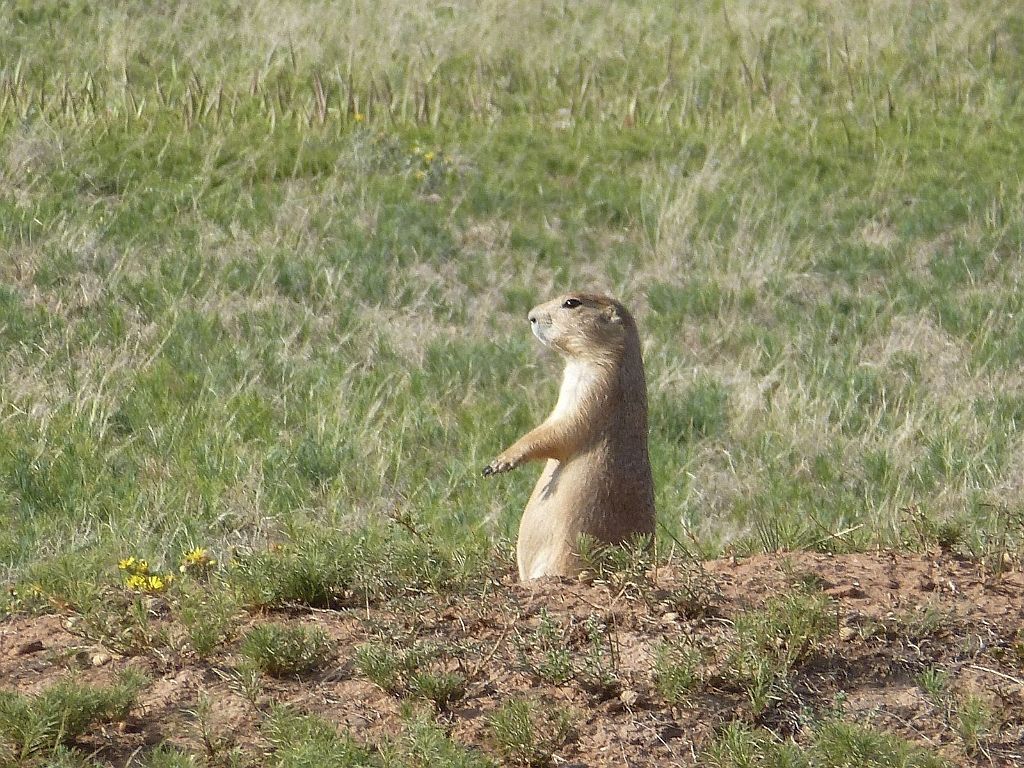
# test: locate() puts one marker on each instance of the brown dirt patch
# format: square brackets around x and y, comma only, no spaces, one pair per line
[895,616]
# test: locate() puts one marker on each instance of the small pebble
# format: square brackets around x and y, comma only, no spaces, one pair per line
[629,697]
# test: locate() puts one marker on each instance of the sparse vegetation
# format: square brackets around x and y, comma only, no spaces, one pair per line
[39,725]
[283,650]
[834,745]
[771,640]
[411,671]
[423,743]
[309,741]
[677,670]
[208,616]
[264,272]
[529,733]
[974,722]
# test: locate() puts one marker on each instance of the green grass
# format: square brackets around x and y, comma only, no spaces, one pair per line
[280,650]
[307,740]
[41,725]
[266,270]
[770,641]
[833,744]
[268,265]
[676,670]
[413,672]
[529,733]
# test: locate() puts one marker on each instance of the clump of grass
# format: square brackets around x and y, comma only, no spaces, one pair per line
[339,570]
[739,746]
[58,715]
[677,670]
[974,721]
[410,672]
[934,681]
[586,652]
[529,733]
[970,716]
[220,745]
[772,639]
[694,593]
[834,744]
[309,741]
[168,757]
[120,621]
[786,628]
[318,572]
[67,757]
[838,743]
[545,653]
[918,623]
[423,743]
[284,650]
[439,688]
[208,615]
[623,566]
[598,672]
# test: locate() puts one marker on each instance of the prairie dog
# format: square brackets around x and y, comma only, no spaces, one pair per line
[597,479]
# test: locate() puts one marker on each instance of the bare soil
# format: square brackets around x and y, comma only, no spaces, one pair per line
[895,616]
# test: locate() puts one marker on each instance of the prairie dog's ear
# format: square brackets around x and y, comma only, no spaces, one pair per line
[612,314]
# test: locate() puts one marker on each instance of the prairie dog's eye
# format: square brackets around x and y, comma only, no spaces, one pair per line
[571,303]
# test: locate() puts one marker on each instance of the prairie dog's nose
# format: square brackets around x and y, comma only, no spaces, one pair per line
[532,317]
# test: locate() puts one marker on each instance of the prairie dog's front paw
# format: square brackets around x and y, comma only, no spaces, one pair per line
[499,465]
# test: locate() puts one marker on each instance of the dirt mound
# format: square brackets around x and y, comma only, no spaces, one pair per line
[904,643]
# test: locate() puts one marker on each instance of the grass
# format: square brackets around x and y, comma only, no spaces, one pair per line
[770,641]
[281,650]
[266,268]
[275,278]
[834,744]
[306,740]
[412,672]
[529,733]
[676,670]
[41,724]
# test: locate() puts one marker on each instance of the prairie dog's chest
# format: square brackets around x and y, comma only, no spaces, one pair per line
[578,382]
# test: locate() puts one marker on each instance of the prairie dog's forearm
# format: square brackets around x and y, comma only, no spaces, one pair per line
[548,441]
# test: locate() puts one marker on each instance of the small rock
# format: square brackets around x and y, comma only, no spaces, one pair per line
[847,633]
[670,618]
[845,591]
[99,659]
[629,697]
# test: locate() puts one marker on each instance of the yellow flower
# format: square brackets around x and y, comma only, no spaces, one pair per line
[133,564]
[158,583]
[359,117]
[136,582]
[421,175]
[197,559]
[428,157]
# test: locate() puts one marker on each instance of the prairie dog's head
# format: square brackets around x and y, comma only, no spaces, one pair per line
[584,326]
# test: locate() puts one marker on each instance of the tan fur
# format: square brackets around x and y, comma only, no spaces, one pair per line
[597,479]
